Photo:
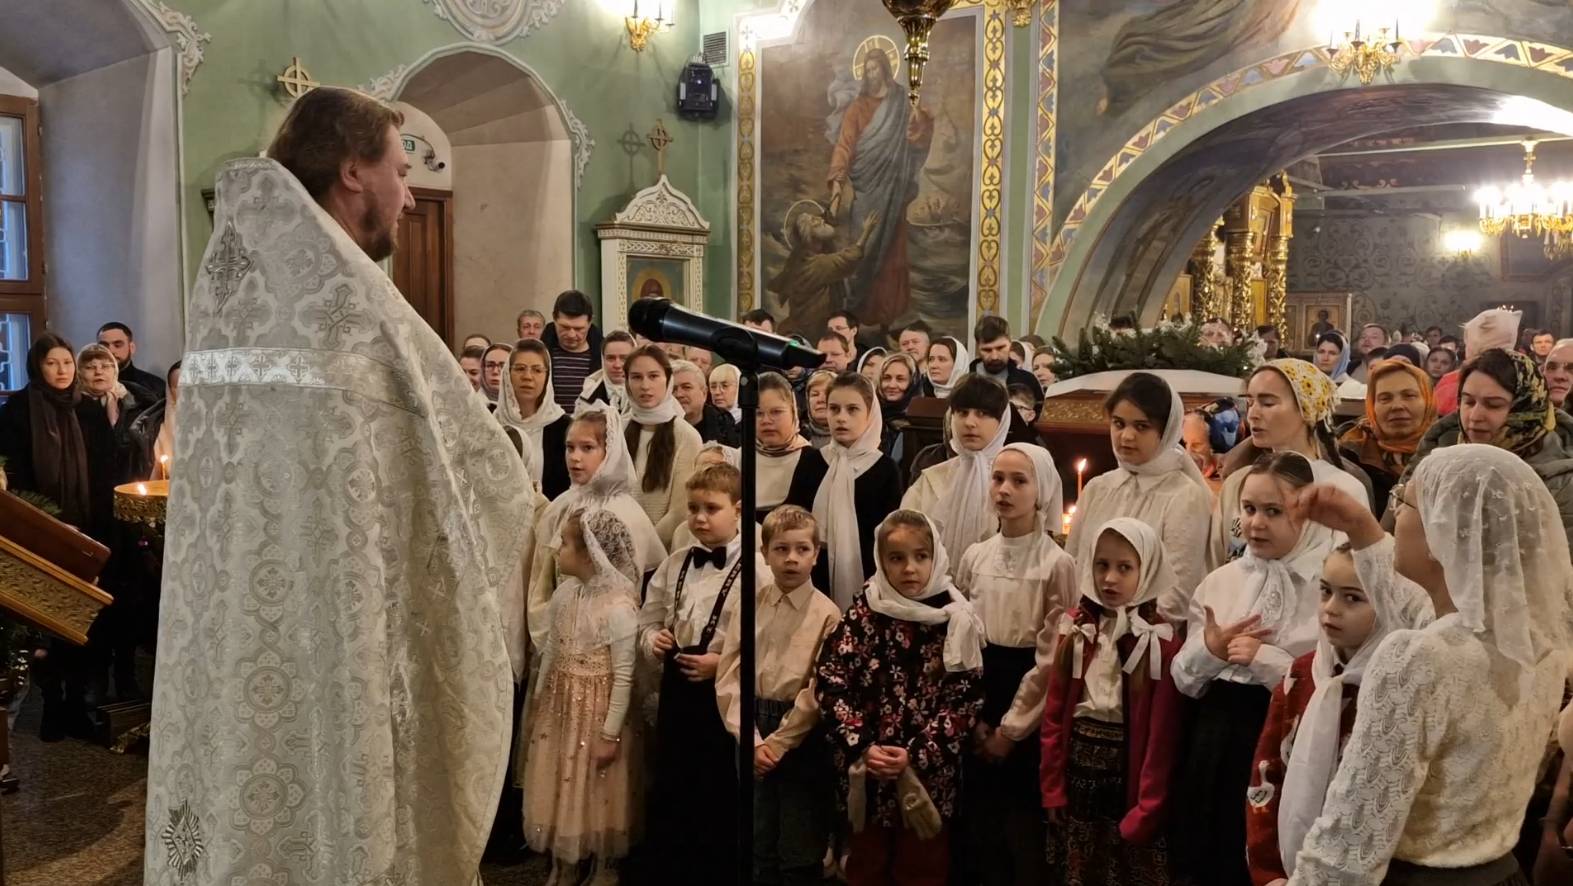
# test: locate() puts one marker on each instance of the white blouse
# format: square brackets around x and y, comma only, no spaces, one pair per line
[1020,588]
[927,495]
[1441,763]
[773,475]
[668,506]
[1295,632]
[1172,504]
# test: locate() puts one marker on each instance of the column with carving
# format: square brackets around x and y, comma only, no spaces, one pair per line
[1241,266]
[1278,255]
[1206,293]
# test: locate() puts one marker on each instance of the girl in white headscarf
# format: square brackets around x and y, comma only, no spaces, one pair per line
[1021,583]
[861,487]
[662,442]
[909,643]
[947,363]
[1453,718]
[602,474]
[1156,482]
[1113,722]
[583,762]
[1249,620]
[535,423]
[956,491]
[1314,707]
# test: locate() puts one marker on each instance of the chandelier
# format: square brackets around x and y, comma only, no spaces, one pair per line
[1527,208]
[1365,55]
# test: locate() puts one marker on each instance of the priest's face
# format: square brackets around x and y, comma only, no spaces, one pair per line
[385,197]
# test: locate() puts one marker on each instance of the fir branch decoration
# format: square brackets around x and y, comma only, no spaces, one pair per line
[1169,345]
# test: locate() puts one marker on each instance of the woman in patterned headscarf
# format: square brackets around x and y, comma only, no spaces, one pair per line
[1503,401]
[1290,410]
[1399,409]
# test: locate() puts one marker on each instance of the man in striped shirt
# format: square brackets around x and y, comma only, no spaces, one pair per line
[575,344]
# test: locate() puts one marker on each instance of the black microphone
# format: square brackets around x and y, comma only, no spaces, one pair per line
[659,320]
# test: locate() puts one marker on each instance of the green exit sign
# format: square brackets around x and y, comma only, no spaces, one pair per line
[409,144]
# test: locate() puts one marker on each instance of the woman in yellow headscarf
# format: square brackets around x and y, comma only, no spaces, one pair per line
[1399,409]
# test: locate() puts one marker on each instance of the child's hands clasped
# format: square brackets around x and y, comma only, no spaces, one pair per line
[698,668]
[886,762]
[765,760]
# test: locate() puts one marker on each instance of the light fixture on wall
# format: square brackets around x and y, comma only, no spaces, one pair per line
[1461,243]
[1372,30]
[644,18]
[1526,208]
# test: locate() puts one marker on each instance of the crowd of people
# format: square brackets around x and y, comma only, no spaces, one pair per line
[1270,649]
[951,691]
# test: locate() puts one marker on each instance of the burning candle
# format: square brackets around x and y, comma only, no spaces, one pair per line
[141,489]
[1081,470]
[1065,521]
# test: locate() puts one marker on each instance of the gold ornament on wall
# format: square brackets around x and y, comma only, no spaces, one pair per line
[917,18]
[1023,9]
[295,81]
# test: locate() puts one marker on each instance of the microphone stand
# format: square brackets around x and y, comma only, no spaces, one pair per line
[748,402]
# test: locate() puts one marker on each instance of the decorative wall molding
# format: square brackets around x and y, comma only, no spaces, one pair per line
[1048,96]
[187,38]
[662,223]
[387,87]
[747,150]
[496,21]
[662,206]
[583,143]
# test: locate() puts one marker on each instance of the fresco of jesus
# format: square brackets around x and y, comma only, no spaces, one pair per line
[879,152]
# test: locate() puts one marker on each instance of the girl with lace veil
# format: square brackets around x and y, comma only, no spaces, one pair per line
[581,778]
[1021,583]
[1454,717]
[1249,620]
[1113,721]
[1156,482]
[602,474]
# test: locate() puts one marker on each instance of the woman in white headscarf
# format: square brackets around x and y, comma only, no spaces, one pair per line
[1453,719]
[947,363]
[1157,482]
[1021,583]
[602,473]
[955,492]
[861,487]
[662,442]
[535,423]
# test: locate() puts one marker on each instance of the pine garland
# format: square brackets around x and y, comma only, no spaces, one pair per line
[1169,345]
[42,502]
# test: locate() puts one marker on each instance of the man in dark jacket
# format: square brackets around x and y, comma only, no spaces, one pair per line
[991,336]
[575,344]
[117,337]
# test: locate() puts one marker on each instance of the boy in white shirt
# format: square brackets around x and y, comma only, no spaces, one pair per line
[687,600]
[793,797]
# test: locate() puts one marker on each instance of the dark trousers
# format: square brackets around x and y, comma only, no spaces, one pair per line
[695,786]
[1000,833]
[793,810]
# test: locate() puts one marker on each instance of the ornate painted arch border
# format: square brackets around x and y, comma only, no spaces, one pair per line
[991,125]
[1522,53]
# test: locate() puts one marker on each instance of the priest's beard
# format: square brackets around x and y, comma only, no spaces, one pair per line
[378,241]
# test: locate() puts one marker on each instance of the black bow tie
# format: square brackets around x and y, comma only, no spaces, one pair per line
[698,556]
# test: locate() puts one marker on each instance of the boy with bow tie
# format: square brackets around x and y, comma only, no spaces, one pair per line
[688,598]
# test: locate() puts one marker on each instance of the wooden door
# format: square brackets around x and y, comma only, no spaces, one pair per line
[423,264]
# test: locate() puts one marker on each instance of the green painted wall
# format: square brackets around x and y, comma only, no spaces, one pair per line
[581,55]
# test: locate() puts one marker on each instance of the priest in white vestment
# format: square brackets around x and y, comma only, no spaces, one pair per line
[334,693]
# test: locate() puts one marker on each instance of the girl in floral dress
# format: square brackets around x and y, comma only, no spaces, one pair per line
[899,688]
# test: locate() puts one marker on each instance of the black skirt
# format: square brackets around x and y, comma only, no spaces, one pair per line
[1502,872]
[1086,848]
[1208,831]
[695,781]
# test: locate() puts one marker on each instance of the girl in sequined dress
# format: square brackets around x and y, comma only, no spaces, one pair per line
[581,783]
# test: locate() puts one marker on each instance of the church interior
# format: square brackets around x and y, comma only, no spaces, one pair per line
[1269,171]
